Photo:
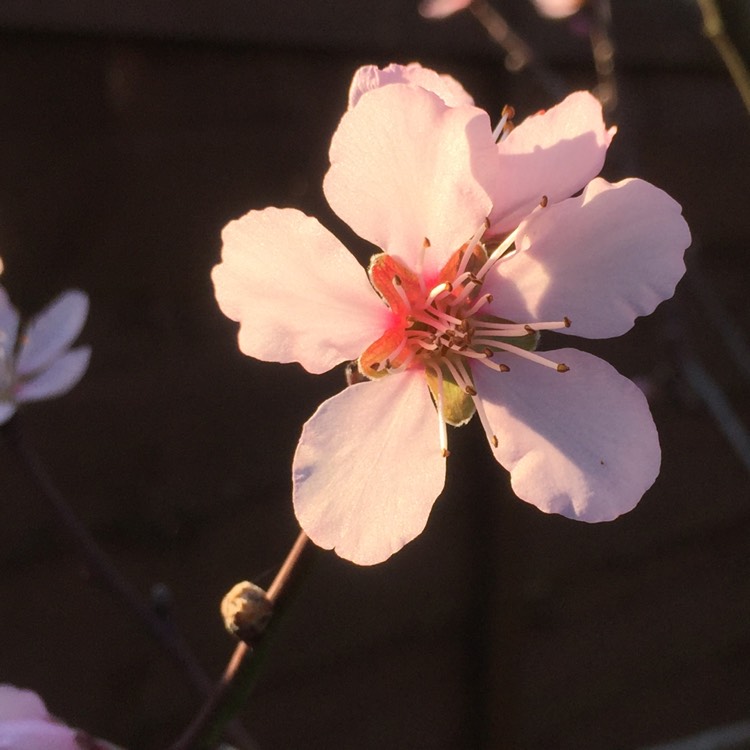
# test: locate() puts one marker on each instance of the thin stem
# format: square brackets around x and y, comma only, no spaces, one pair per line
[713,27]
[239,676]
[519,55]
[603,52]
[104,569]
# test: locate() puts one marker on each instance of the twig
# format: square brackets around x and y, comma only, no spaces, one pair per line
[239,675]
[101,565]
[519,55]
[713,27]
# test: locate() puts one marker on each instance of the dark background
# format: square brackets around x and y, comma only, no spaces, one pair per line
[130,133]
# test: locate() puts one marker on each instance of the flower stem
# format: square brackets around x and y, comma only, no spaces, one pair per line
[242,670]
[713,27]
[519,55]
[104,569]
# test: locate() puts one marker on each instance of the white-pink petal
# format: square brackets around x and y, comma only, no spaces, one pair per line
[442,8]
[551,154]
[297,292]
[580,443]
[17,703]
[602,258]
[8,327]
[370,77]
[402,164]
[58,378]
[52,331]
[33,734]
[368,468]
[558,8]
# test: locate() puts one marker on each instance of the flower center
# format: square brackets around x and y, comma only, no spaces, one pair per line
[445,326]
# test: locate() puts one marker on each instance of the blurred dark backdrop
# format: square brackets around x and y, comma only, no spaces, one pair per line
[130,133]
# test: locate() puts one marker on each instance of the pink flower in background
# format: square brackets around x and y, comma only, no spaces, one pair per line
[483,247]
[25,724]
[40,363]
[558,8]
[442,8]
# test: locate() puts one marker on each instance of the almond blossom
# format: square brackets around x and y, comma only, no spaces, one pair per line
[482,248]
[25,724]
[40,363]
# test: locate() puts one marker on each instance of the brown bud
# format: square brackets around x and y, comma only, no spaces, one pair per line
[246,610]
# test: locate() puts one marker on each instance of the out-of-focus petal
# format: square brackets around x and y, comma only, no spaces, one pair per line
[558,8]
[57,379]
[554,153]
[33,734]
[52,331]
[401,171]
[370,77]
[368,468]
[602,258]
[442,8]
[581,443]
[8,327]
[7,410]
[17,703]
[297,292]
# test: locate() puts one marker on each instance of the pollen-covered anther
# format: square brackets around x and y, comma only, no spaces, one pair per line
[562,367]
[426,243]
[471,390]
[488,352]
[439,290]
[566,321]
[445,453]
[544,202]
[494,441]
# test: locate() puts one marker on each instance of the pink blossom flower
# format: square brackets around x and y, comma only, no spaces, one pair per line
[558,8]
[25,724]
[442,8]
[40,364]
[482,248]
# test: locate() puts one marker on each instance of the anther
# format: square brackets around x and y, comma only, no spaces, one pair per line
[503,368]
[426,243]
[528,328]
[494,441]
[396,281]
[545,200]
[488,352]
[566,320]
[446,453]
[471,390]
[563,368]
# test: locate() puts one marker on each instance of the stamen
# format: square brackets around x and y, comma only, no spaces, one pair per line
[445,288]
[531,356]
[481,302]
[440,412]
[519,329]
[497,253]
[420,265]
[507,114]
[497,366]
[473,242]
[396,281]
[479,406]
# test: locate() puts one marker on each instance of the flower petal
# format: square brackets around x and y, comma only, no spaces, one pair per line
[297,292]
[52,331]
[370,77]
[32,734]
[16,703]
[57,379]
[401,171]
[602,258]
[554,154]
[8,327]
[581,443]
[368,468]
[442,8]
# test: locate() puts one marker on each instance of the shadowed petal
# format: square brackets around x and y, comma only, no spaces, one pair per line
[57,379]
[368,468]
[8,327]
[580,443]
[370,77]
[401,171]
[33,734]
[297,292]
[602,258]
[52,331]
[554,154]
